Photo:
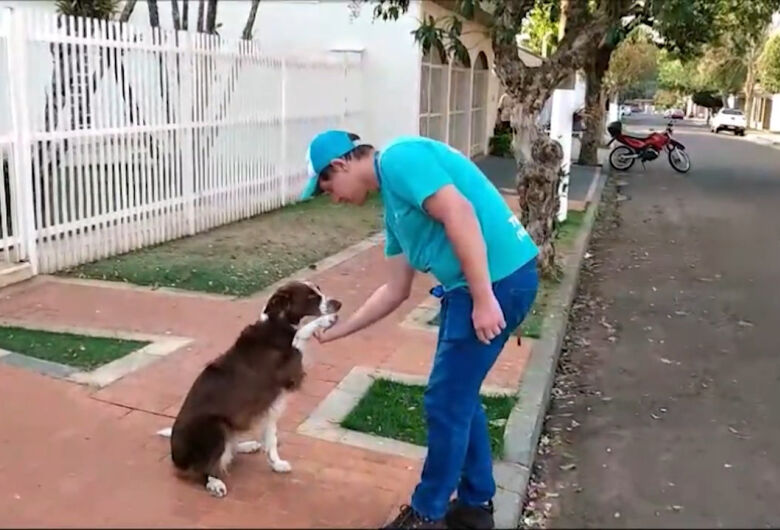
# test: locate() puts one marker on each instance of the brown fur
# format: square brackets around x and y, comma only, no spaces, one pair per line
[234,392]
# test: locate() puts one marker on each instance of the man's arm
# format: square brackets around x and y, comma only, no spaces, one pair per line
[455,212]
[381,303]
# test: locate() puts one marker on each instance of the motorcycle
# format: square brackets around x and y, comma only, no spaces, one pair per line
[646,148]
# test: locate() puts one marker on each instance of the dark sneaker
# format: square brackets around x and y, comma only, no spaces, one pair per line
[408,518]
[470,517]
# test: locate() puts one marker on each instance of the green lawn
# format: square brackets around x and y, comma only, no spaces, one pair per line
[395,410]
[242,258]
[78,351]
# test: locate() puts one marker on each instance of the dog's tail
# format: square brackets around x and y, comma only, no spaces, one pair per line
[166,432]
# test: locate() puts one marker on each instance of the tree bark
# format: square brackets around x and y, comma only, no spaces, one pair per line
[594,107]
[154,13]
[250,21]
[175,15]
[185,14]
[124,16]
[750,84]
[211,17]
[201,10]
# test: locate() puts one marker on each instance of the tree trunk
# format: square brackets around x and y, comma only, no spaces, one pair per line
[201,12]
[211,17]
[127,10]
[185,14]
[594,107]
[539,171]
[175,15]
[250,21]
[154,13]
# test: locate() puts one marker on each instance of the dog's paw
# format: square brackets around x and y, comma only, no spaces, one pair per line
[216,487]
[327,321]
[281,466]
[251,446]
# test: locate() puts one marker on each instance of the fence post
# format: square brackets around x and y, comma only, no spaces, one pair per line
[15,29]
[285,168]
[186,87]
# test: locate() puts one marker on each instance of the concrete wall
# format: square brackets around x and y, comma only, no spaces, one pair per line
[774,120]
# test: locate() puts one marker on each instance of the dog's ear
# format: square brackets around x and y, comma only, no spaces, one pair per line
[279,304]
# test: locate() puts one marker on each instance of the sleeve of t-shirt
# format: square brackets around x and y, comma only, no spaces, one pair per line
[413,172]
[392,246]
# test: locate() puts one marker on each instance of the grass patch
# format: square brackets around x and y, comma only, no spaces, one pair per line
[395,410]
[78,351]
[568,230]
[243,257]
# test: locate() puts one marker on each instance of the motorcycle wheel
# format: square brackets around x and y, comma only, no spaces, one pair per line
[679,160]
[619,160]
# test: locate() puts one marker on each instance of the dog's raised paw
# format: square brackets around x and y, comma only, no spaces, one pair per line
[216,487]
[327,321]
[281,466]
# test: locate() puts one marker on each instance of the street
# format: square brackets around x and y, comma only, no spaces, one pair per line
[665,412]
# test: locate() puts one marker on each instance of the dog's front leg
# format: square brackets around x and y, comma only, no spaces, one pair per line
[306,332]
[271,440]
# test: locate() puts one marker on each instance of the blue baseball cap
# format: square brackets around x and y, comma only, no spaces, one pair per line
[324,149]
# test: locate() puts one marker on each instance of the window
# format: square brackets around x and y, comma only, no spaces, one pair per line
[479,97]
[460,96]
[433,95]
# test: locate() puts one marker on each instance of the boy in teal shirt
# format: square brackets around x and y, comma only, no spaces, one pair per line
[443,216]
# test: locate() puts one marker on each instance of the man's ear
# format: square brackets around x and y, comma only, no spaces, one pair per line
[278,305]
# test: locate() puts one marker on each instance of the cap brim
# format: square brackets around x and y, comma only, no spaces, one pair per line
[312,188]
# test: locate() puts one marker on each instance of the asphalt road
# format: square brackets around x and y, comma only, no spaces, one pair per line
[667,407]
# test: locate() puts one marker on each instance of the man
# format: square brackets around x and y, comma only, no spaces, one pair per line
[442,216]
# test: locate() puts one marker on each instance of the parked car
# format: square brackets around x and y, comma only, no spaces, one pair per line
[730,120]
[676,114]
[625,110]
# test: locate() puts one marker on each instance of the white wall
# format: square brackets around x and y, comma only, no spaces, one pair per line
[774,120]
[390,57]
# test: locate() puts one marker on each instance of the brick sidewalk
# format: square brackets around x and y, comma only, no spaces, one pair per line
[74,457]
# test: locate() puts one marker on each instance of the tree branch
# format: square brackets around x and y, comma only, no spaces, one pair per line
[175,15]
[185,14]
[201,11]
[124,16]
[250,21]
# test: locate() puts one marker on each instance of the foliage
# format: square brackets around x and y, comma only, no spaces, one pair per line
[667,99]
[101,9]
[769,65]
[541,27]
[707,99]
[501,144]
[633,62]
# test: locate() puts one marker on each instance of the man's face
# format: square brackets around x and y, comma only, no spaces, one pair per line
[343,184]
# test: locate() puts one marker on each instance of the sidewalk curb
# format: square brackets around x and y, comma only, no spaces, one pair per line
[525,422]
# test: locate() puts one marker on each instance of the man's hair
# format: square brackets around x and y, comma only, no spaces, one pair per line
[359,152]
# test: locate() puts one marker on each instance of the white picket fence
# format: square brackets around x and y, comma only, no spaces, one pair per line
[118,137]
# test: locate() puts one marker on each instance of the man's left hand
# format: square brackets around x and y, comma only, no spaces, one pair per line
[488,319]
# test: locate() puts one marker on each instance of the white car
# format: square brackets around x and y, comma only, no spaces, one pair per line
[625,110]
[729,119]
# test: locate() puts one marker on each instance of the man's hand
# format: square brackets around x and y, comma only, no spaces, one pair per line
[488,318]
[381,303]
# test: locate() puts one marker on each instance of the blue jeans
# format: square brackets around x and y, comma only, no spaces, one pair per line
[459,453]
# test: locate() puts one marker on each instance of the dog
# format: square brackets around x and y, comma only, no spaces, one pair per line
[244,389]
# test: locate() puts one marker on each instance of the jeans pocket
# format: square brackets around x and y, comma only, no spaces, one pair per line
[520,301]
[456,322]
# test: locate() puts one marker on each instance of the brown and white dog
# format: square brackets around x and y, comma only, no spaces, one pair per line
[245,388]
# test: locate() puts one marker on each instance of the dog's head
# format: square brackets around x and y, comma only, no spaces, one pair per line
[296,300]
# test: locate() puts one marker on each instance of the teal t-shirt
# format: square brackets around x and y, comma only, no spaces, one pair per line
[413,168]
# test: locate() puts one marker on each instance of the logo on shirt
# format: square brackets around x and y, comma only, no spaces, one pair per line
[517,225]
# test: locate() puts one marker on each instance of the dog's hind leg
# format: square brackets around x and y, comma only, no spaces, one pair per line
[271,439]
